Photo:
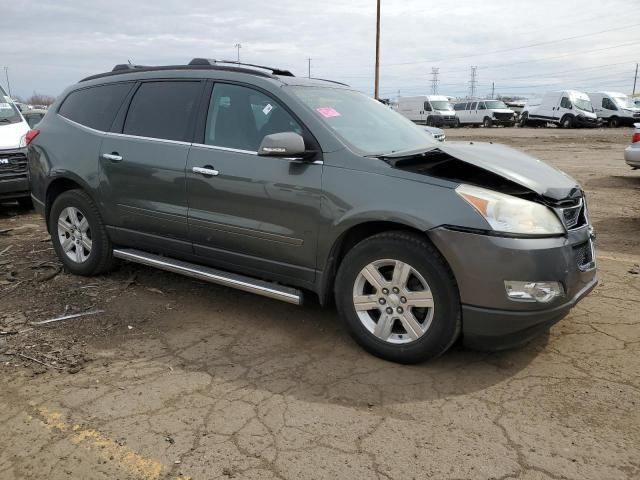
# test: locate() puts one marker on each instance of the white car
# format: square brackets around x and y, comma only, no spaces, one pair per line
[632,152]
[485,112]
[14,184]
[565,108]
[615,108]
[436,133]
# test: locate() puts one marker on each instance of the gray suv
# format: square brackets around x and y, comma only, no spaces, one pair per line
[256,179]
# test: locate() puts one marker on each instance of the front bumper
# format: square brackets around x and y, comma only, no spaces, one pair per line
[14,181]
[482,263]
[584,122]
[632,155]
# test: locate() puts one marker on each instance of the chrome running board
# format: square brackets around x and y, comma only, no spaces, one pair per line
[212,275]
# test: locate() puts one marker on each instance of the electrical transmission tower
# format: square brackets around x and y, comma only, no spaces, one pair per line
[434,80]
[473,82]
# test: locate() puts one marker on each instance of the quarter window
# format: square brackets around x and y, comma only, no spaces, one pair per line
[240,117]
[163,110]
[95,107]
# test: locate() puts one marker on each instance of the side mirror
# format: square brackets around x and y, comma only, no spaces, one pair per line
[284,144]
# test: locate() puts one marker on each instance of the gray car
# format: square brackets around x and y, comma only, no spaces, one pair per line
[256,179]
[632,152]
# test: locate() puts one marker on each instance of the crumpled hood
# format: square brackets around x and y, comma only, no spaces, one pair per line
[10,134]
[516,166]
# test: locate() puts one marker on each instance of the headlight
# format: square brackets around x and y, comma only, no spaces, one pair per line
[23,141]
[509,214]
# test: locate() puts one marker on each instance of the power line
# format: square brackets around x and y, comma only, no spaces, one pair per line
[548,42]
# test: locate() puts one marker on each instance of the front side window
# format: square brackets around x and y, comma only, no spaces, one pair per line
[460,106]
[364,124]
[240,117]
[481,106]
[427,107]
[474,105]
[95,107]
[565,103]
[608,104]
[164,110]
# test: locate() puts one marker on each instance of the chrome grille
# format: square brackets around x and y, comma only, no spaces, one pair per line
[12,162]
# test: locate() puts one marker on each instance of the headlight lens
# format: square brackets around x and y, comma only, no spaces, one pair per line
[23,141]
[509,214]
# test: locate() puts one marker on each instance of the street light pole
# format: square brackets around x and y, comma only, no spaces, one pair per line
[377,81]
[238,47]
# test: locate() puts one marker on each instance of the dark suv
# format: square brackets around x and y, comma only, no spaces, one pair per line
[253,178]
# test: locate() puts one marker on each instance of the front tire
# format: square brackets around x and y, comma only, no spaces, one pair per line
[398,297]
[567,121]
[614,122]
[487,122]
[78,234]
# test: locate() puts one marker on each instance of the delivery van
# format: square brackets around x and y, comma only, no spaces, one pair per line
[565,108]
[615,109]
[431,110]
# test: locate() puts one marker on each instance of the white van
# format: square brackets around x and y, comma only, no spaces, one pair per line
[14,184]
[485,112]
[566,108]
[431,110]
[615,108]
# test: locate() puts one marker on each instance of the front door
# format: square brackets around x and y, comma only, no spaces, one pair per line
[247,212]
[143,165]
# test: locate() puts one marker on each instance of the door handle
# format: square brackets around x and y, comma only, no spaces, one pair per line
[207,171]
[114,157]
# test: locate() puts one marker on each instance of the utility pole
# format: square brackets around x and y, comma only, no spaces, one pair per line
[635,80]
[434,80]
[377,80]
[6,74]
[238,47]
[309,68]
[493,90]
[473,82]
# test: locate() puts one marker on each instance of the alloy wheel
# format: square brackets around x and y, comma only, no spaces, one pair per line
[74,234]
[393,301]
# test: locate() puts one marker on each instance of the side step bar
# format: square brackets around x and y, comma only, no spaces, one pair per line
[208,274]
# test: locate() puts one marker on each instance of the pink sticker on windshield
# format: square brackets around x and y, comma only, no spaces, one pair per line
[328,112]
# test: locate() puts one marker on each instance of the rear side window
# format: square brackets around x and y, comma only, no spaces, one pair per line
[163,110]
[95,107]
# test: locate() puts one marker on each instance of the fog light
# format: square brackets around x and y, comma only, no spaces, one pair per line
[542,292]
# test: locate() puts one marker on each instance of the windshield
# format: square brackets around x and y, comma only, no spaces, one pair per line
[365,124]
[8,111]
[582,104]
[440,105]
[495,104]
[624,102]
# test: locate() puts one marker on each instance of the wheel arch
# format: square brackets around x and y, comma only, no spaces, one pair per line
[59,185]
[347,240]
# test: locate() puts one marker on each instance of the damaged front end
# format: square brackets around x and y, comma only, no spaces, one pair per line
[535,259]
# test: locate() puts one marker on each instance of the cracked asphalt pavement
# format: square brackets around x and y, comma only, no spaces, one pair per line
[179,379]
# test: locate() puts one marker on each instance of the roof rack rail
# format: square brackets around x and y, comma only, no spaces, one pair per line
[330,81]
[127,66]
[213,62]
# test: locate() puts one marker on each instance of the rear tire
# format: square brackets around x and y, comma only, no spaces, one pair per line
[456,123]
[399,339]
[78,234]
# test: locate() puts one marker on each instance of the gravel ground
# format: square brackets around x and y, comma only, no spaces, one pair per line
[180,379]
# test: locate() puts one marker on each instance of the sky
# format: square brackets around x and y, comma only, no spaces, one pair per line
[524,47]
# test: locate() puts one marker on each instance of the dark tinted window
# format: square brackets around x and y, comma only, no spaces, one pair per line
[427,107]
[460,106]
[565,103]
[95,107]
[608,104]
[163,110]
[240,117]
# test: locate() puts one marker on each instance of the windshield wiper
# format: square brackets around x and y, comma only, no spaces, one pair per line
[5,120]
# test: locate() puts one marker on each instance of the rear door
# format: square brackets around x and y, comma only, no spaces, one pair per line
[256,214]
[143,165]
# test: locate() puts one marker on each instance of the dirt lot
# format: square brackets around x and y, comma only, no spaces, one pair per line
[180,379]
